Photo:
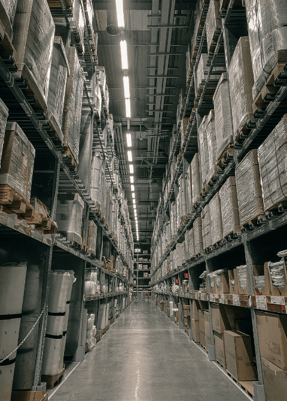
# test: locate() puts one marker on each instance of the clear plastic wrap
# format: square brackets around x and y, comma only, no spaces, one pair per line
[267,32]
[242,276]
[97,179]
[101,75]
[58,80]
[248,186]
[17,162]
[207,146]
[240,85]
[195,179]
[197,236]
[213,21]
[229,207]
[4,112]
[222,118]
[272,157]
[206,227]
[188,195]
[92,237]
[9,8]
[33,40]
[78,22]
[73,104]
[203,69]
[277,273]
[69,218]
[216,219]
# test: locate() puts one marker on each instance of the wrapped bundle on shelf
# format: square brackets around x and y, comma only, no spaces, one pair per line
[91,332]
[73,105]
[222,118]
[195,179]
[97,179]
[202,72]
[240,85]
[33,40]
[242,279]
[267,36]
[197,236]
[206,227]
[208,148]
[17,162]
[69,217]
[272,157]
[101,74]
[182,196]
[12,285]
[188,194]
[183,128]
[229,208]
[4,112]
[78,24]
[248,186]
[212,24]
[57,85]
[92,238]
[201,7]
[215,219]
[7,15]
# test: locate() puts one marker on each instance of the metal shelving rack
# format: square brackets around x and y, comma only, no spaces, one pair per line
[45,251]
[137,270]
[247,246]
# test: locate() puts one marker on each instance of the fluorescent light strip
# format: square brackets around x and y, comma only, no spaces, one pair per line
[128,108]
[130,156]
[124,54]
[120,13]
[131,169]
[126,87]
[134,201]
[132,179]
[129,140]
[132,188]
[133,195]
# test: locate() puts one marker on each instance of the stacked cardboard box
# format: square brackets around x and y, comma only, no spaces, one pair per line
[229,208]
[220,323]
[4,112]
[202,328]
[213,21]
[197,236]
[195,180]
[216,233]
[207,328]
[208,147]
[206,227]
[195,321]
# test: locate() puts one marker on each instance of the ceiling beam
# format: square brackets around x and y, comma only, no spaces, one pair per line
[130,5]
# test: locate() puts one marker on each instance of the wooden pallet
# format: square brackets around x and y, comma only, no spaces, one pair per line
[97,337]
[226,155]
[232,235]
[70,159]
[14,203]
[55,131]
[246,386]
[256,221]
[52,380]
[274,211]
[86,348]
[57,3]
[24,395]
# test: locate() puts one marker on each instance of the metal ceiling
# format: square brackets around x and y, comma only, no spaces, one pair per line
[157,33]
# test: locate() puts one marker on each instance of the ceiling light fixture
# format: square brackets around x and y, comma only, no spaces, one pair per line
[134,201]
[132,188]
[129,140]
[131,169]
[124,54]
[130,156]
[128,108]
[134,206]
[120,13]
[126,87]
[132,179]
[133,195]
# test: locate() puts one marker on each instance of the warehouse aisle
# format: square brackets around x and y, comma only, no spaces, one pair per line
[145,357]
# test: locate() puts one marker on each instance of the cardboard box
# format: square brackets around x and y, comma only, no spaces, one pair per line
[223,287]
[207,341]
[206,315]
[233,281]
[275,381]
[202,338]
[195,309]
[201,321]
[238,353]
[261,270]
[207,328]
[220,321]
[272,333]
[219,349]
[195,330]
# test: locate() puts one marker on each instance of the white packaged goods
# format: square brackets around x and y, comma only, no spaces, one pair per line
[58,80]
[248,186]
[188,195]
[52,355]
[4,112]
[195,180]
[268,37]
[17,162]
[277,273]
[213,22]
[78,21]
[92,237]
[7,14]
[55,324]
[98,180]
[206,227]
[60,284]
[229,207]
[73,105]
[240,85]
[272,157]
[202,71]
[207,146]
[215,219]
[242,276]
[12,284]
[191,243]
[69,218]
[222,115]
[101,74]
[197,236]
[33,40]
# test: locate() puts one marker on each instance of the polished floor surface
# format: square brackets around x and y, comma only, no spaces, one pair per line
[145,357]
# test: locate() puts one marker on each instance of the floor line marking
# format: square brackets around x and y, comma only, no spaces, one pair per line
[63,381]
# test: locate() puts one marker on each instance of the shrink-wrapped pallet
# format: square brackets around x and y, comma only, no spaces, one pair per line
[206,227]
[101,75]
[33,40]
[7,15]
[188,186]
[69,218]
[195,179]
[267,32]
[215,219]
[222,115]
[203,69]
[58,81]
[212,23]
[77,23]
[200,9]
[197,236]
[4,112]
[92,237]
[272,157]
[12,285]
[249,193]
[240,85]
[207,147]
[97,179]
[73,105]
[191,243]
[229,207]
[17,162]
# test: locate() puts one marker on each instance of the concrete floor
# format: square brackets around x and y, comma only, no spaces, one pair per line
[145,357]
